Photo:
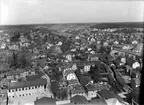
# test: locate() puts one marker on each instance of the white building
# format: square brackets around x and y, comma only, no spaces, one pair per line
[87,68]
[28,88]
[69,57]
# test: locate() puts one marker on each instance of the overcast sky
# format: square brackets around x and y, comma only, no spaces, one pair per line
[69,11]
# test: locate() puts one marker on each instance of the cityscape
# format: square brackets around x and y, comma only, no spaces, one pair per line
[89,63]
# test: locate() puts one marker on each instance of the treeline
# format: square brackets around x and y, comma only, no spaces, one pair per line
[20,60]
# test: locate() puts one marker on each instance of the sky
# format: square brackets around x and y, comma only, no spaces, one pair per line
[69,11]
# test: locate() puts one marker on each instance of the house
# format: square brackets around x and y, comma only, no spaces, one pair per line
[94,88]
[94,57]
[85,80]
[92,91]
[26,88]
[69,57]
[87,65]
[76,90]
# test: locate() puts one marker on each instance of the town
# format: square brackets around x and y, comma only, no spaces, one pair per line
[70,64]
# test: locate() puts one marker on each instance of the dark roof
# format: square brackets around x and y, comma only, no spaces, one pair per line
[84,80]
[34,77]
[91,87]
[110,94]
[105,94]
[79,99]
[67,72]
[73,82]
[97,102]
[117,97]
[45,101]
[38,82]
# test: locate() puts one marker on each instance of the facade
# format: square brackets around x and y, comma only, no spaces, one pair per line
[87,68]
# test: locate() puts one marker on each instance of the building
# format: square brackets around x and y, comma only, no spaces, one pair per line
[76,90]
[87,65]
[92,91]
[26,88]
[3,97]
[94,57]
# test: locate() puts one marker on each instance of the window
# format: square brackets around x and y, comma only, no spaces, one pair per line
[32,87]
[22,88]
[25,88]
[15,89]
[9,90]
[12,90]
[19,95]
[19,89]
[35,87]
[29,88]
[23,94]
[13,96]
[29,93]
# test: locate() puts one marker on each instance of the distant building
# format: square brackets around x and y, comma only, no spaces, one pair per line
[69,57]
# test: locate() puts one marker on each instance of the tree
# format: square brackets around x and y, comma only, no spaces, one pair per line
[95,73]
[14,61]
[24,59]
[63,94]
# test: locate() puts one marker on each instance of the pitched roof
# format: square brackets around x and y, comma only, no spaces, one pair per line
[79,100]
[84,80]
[38,82]
[77,89]
[73,82]
[97,102]
[66,72]
[94,87]
[105,94]
[45,101]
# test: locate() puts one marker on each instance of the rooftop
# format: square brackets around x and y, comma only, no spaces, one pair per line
[38,82]
[79,100]
[45,101]
[33,77]
[77,89]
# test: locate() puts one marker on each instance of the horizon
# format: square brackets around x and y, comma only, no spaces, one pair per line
[21,12]
[136,22]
